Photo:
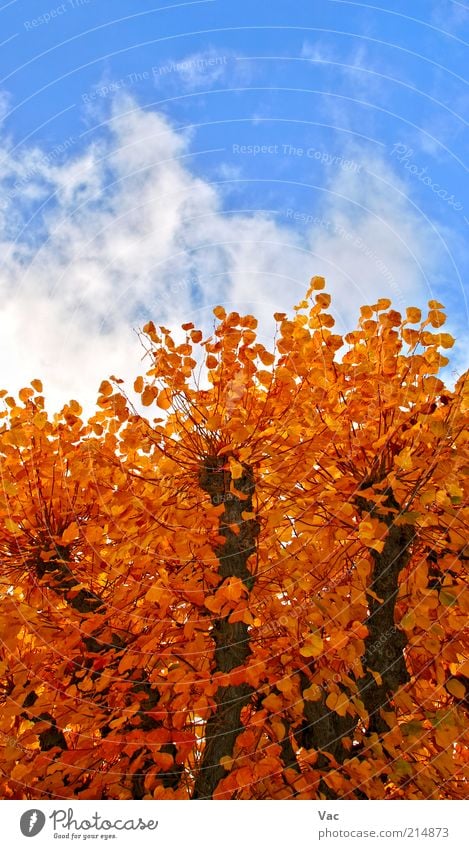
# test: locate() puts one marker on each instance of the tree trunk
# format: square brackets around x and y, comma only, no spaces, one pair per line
[231,638]
[385,643]
[324,730]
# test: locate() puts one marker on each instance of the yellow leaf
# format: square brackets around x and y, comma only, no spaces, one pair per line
[413,314]
[436,318]
[376,676]
[105,388]
[432,645]
[408,620]
[456,688]
[404,459]
[236,469]
[266,358]
[37,385]
[25,393]
[316,283]
[10,753]
[279,729]
[17,437]
[342,704]
[313,646]
[410,336]
[338,703]
[127,662]
[11,526]
[447,598]
[40,420]
[312,693]
[273,703]
[232,589]
[70,534]
[331,701]
[20,771]
[323,299]
[402,768]
[371,533]
[446,340]
[214,603]
[148,395]
[383,304]
[432,385]
[154,593]
[164,399]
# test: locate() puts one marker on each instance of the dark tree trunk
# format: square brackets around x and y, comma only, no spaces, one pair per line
[324,730]
[231,639]
[385,643]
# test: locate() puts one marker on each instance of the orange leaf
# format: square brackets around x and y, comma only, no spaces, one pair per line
[436,318]
[273,703]
[148,395]
[70,534]
[316,283]
[313,646]
[164,400]
[312,693]
[413,314]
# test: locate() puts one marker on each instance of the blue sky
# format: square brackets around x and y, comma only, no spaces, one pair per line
[158,159]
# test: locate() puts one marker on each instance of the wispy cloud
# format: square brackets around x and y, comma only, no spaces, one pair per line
[202,70]
[449,14]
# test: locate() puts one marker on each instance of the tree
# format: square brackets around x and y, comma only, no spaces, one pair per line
[257,592]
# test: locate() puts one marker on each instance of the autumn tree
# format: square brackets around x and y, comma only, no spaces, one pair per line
[257,590]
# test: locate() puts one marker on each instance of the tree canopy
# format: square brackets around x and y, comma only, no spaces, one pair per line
[256,590]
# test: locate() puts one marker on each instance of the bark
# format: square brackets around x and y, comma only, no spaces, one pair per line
[62,581]
[52,736]
[385,643]
[324,730]
[231,639]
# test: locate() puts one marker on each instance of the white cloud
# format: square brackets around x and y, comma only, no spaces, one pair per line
[369,240]
[133,234]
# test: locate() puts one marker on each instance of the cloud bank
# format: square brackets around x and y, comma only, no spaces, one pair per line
[107,233]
